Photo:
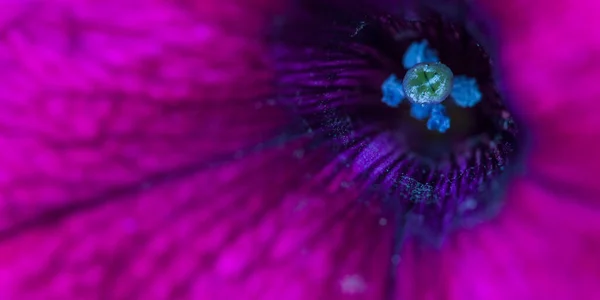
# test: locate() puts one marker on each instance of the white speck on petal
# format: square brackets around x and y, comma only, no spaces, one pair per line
[353,284]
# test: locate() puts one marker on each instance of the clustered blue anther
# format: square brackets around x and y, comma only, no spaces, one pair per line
[426,85]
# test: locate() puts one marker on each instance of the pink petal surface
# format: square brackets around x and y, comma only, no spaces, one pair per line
[181,239]
[551,54]
[107,121]
[109,114]
[93,101]
[543,246]
[545,242]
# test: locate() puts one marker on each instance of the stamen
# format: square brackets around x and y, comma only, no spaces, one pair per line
[393,92]
[419,52]
[439,120]
[465,91]
[420,111]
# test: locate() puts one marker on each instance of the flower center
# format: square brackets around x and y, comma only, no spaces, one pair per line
[340,72]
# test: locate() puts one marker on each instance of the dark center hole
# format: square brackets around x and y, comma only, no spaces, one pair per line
[331,61]
[462,53]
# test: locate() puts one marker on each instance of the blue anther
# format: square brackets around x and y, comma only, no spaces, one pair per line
[420,111]
[392,90]
[465,91]
[439,120]
[419,52]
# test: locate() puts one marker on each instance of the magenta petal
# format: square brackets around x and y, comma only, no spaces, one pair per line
[216,235]
[111,114]
[542,247]
[544,244]
[114,185]
[98,102]
[551,60]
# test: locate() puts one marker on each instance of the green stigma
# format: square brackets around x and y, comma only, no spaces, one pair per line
[428,83]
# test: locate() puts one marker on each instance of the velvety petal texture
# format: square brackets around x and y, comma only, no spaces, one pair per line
[113,114]
[145,157]
[545,242]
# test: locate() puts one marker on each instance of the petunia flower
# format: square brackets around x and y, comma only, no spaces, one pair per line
[238,149]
